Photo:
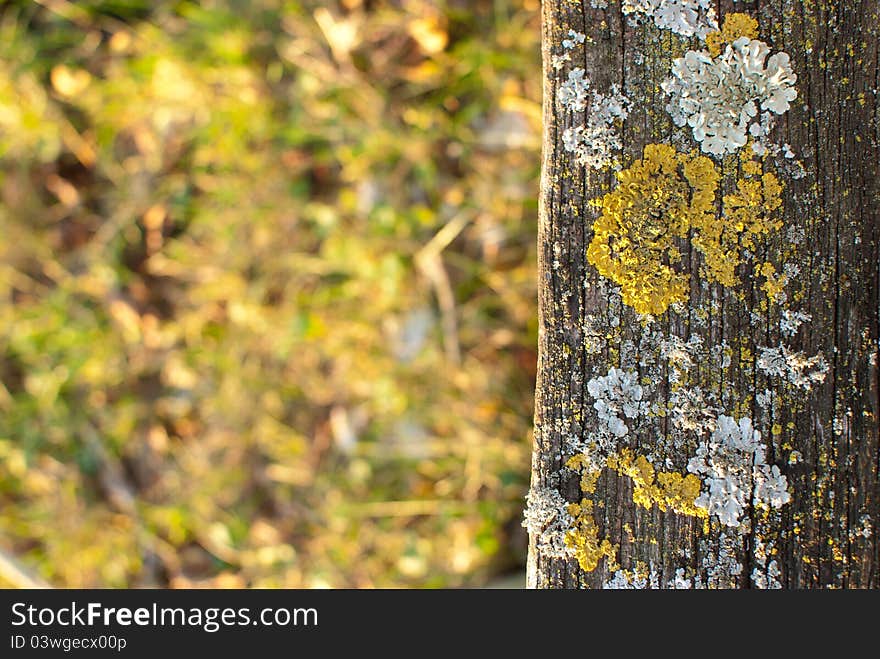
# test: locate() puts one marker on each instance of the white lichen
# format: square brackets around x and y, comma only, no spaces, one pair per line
[574,38]
[687,18]
[764,399]
[791,321]
[767,579]
[719,98]
[734,469]
[617,395]
[559,61]
[680,582]
[771,486]
[547,519]
[793,367]
[631,580]
[573,93]
[596,142]
[689,407]
[765,575]
[790,269]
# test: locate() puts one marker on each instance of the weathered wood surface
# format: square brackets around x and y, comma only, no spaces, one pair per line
[822,435]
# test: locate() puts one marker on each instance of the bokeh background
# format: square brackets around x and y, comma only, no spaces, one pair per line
[268,307]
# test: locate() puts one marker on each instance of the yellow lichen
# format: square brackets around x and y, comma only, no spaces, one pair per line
[584,541]
[751,211]
[774,283]
[581,462]
[736,25]
[583,538]
[666,490]
[666,198]
[711,234]
[758,196]
[658,200]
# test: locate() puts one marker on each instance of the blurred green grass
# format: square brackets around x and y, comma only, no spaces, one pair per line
[268,277]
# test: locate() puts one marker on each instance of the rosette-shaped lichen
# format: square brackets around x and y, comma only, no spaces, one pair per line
[617,395]
[658,200]
[734,468]
[718,97]
[684,17]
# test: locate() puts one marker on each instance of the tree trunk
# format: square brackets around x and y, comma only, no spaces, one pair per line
[707,405]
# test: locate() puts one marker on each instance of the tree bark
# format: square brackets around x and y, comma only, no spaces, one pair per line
[787,347]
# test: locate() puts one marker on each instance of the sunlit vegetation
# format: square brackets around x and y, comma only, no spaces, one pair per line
[267,276]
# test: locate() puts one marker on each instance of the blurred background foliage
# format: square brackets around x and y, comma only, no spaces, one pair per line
[268,302]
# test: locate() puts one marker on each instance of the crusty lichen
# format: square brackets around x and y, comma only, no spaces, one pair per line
[547,520]
[752,211]
[667,197]
[659,199]
[583,540]
[736,25]
[666,490]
